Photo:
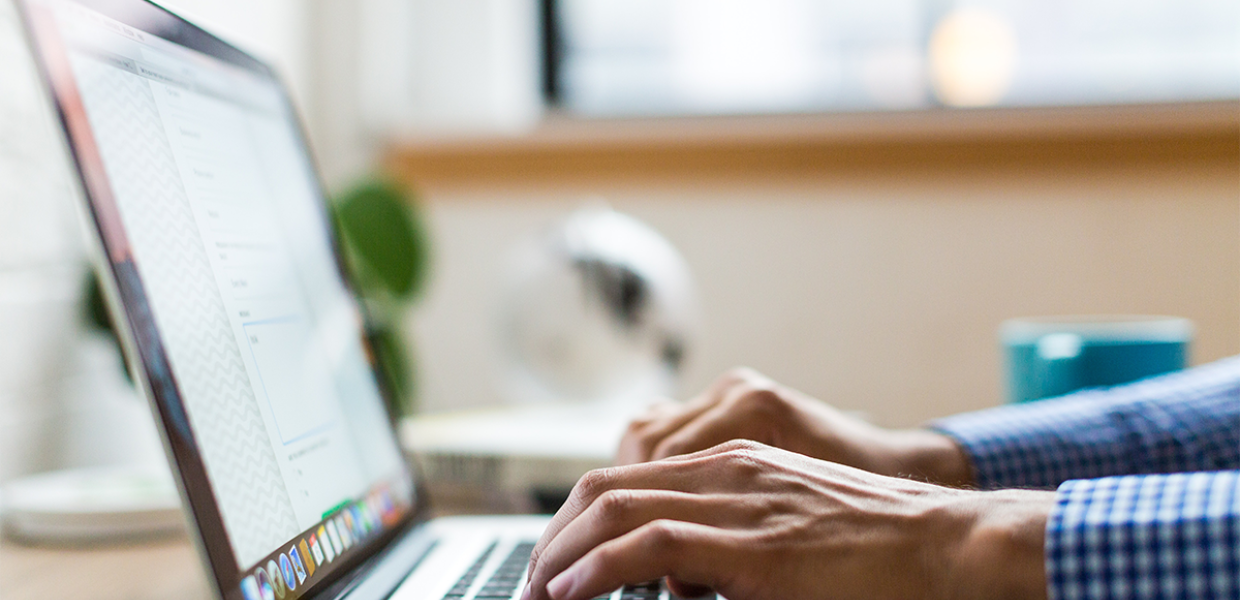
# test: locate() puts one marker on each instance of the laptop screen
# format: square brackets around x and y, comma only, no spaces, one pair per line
[214,225]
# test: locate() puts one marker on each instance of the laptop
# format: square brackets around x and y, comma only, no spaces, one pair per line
[219,263]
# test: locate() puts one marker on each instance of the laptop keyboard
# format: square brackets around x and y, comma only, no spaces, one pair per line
[642,591]
[510,573]
[503,582]
[462,585]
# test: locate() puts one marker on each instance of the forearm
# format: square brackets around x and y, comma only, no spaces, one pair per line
[1002,554]
[929,456]
[1188,421]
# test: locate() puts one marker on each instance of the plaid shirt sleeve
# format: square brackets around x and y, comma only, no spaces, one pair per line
[1184,421]
[1122,526]
[1146,536]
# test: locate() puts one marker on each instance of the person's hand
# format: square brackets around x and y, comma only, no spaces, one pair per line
[754,522]
[743,404]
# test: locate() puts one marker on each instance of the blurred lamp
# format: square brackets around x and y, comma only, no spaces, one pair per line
[599,309]
[972,57]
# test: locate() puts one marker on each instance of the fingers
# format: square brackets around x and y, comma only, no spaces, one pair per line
[726,447]
[684,474]
[690,553]
[646,433]
[661,475]
[618,512]
[755,410]
[721,423]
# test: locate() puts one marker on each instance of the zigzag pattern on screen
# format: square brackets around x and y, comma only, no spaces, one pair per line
[173,262]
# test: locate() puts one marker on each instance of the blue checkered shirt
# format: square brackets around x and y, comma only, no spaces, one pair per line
[1148,478]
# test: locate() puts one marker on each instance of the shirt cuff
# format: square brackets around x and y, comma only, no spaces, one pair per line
[1145,536]
[1176,423]
[1031,445]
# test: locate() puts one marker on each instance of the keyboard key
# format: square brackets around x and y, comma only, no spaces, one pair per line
[503,582]
[462,585]
[641,591]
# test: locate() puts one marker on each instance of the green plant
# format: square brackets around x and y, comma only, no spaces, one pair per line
[387,250]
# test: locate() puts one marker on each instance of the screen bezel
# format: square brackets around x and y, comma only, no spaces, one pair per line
[127,297]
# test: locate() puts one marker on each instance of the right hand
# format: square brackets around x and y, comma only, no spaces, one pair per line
[758,523]
[743,404]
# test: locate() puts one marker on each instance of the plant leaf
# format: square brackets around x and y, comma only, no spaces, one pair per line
[388,240]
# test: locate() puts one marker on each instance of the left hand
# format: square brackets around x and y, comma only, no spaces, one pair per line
[753,522]
[744,404]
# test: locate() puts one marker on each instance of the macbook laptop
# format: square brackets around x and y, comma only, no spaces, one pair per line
[222,271]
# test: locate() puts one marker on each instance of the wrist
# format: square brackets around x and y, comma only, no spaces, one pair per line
[1002,554]
[930,456]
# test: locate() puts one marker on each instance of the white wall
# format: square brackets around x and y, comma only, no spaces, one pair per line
[433,67]
[35,206]
[880,291]
[387,69]
[40,262]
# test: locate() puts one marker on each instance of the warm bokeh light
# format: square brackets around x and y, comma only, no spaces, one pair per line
[973,55]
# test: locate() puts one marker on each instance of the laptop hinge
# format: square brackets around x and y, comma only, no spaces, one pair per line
[392,568]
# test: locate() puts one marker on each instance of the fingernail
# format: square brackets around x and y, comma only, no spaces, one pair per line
[525,594]
[559,587]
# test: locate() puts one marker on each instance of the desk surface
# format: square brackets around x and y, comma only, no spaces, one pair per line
[164,569]
[169,568]
[156,570]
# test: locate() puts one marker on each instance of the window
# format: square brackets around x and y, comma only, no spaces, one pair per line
[685,57]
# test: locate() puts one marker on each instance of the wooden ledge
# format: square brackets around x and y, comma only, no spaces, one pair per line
[567,149]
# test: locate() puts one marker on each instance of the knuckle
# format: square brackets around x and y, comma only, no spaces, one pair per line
[664,534]
[595,482]
[740,449]
[744,458]
[763,401]
[614,504]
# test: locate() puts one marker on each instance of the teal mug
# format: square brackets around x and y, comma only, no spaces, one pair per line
[1053,356]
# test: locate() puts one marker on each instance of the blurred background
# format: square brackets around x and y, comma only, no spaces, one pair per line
[862,192]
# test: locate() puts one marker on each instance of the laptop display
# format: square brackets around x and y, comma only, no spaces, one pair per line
[218,243]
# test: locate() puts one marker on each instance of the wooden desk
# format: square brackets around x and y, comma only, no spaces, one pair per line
[166,569]
[155,570]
